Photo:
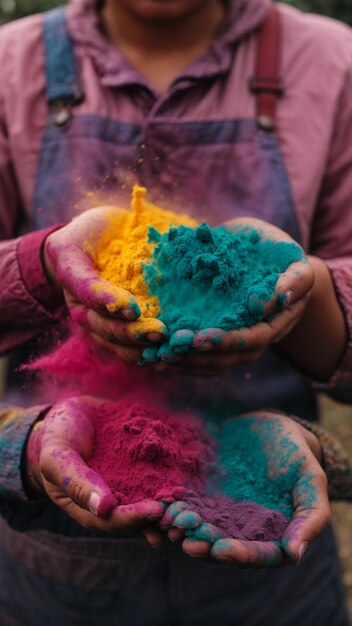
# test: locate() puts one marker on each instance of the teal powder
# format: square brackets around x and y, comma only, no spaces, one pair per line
[254,470]
[213,278]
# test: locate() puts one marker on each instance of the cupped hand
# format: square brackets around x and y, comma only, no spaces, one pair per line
[57,451]
[286,446]
[213,350]
[109,313]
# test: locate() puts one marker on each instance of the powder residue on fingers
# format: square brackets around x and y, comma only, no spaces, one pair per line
[191,277]
[213,278]
[143,452]
[239,520]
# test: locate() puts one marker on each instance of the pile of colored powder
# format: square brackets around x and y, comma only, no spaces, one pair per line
[142,452]
[123,249]
[190,277]
[213,278]
[261,463]
[238,520]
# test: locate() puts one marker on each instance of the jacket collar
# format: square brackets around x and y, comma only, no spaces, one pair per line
[243,17]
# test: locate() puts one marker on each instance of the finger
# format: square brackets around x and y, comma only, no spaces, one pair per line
[311,512]
[166,354]
[121,519]
[171,513]
[176,535]
[209,339]
[123,333]
[150,356]
[205,532]
[263,334]
[67,440]
[248,554]
[63,467]
[83,285]
[154,536]
[196,548]
[135,515]
[181,341]
[294,283]
[187,519]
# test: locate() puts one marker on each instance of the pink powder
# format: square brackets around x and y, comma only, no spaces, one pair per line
[147,452]
[143,452]
[79,365]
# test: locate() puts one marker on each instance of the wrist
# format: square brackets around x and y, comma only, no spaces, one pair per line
[317,342]
[48,265]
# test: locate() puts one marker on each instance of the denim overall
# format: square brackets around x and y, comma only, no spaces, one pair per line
[58,574]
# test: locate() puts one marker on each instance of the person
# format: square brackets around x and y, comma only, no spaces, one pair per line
[172,94]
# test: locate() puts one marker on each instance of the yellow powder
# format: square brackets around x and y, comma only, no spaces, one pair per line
[123,248]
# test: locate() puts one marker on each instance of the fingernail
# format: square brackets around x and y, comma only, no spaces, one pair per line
[301,550]
[154,518]
[93,503]
[128,313]
[154,336]
[288,298]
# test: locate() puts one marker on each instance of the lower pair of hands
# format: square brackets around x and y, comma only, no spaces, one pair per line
[61,443]
[111,315]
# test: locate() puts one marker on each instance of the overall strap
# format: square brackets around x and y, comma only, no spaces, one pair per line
[62,76]
[267,83]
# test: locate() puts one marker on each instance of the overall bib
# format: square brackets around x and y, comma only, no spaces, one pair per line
[54,573]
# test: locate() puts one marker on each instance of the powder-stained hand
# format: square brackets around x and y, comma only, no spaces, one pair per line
[58,448]
[272,460]
[108,312]
[215,350]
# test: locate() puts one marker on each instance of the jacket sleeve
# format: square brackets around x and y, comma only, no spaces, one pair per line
[15,426]
[332,230]
[27,300]
[336,463]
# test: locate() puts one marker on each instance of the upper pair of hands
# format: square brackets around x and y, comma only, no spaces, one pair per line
[61,443]
[69,262]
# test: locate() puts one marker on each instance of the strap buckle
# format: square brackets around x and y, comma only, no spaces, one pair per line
[61,113]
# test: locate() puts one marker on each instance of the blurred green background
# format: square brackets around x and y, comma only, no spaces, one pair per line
[12,9]
[337,418]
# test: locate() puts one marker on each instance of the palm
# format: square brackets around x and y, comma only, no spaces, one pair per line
[267,459]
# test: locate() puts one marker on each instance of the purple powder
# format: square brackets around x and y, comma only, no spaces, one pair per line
[239,520]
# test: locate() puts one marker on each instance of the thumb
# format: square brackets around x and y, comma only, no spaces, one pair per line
[311,512]
[64,468]
[75,272]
